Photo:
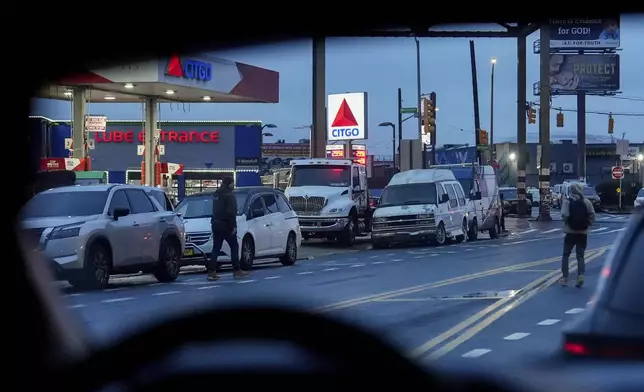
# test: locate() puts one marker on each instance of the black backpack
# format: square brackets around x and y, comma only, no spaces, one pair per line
[578,219]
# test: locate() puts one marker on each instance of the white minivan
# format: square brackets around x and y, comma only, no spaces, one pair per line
[420,205]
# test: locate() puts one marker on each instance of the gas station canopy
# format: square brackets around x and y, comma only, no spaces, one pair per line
[177,79]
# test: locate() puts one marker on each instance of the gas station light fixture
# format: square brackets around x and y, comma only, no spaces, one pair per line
[129,85]
[169,92]
[207,98]
[110,98]
[68,93]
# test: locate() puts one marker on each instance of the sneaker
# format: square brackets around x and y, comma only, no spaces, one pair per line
[563,281]
[212,276]
[240,274]
[580,281]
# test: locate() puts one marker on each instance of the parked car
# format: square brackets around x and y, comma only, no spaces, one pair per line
[267,227]
[639,200]
[92,232]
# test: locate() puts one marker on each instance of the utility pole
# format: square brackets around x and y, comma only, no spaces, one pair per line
[581,133]
[418,101]
[318,129]
[522,105]
[492,152]
[544,123]
[432,97]
[400,122]
[475,96]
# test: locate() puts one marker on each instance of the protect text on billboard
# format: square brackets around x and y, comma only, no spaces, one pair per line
[579,33]
[584,72]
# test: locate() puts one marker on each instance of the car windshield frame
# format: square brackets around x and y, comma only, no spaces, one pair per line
[312,176]
[241,198]
[419,193]
[512,192]
[66,204]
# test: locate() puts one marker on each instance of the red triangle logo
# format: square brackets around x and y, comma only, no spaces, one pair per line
[174,67]
[345,117]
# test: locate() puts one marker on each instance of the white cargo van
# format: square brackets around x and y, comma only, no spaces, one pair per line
[481,186]
[420,205]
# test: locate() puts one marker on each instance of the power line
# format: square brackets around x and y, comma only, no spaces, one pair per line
[614,114]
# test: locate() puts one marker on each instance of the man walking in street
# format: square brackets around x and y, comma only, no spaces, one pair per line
[224,228]
[578,215]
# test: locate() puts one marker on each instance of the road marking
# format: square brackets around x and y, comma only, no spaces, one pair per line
[207,287]
[114,289]
[246,281]
[398,260]
[156,284]
[357,265]
[575,311]
[516,336]
[390,254]
[432,285]
[533,270]
[486,317]
[73,295]
[476,353]
[419,257]
[548,322]
[76,306]
[550,231]
[108,301]
[331,269]
[305,273]
[379,262]
[374,257]
[616,230]
[600,229]
[528,231]
[166,293]
[272,277]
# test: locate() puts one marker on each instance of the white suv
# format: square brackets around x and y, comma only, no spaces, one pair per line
[88,233]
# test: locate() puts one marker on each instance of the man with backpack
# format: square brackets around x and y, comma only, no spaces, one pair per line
[578,215]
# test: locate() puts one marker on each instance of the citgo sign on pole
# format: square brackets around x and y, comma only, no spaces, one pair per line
[347,116]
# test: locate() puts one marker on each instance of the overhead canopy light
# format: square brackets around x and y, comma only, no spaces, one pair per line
[169,92]
[207,98]
[129,85]
[110,98]
[68,93]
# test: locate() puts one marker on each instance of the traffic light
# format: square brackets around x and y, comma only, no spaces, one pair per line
[611,124]
[532,115]
[429,116]
[560,119]
[483,140]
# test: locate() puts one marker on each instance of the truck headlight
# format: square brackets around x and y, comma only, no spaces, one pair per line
[337,210]
[64,232]
[378,220]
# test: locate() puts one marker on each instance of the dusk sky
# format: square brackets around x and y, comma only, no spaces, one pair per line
[379,66]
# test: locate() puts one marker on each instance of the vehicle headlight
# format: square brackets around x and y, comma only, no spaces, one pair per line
[424,216]
[337,210]
[64,232]
[378,220]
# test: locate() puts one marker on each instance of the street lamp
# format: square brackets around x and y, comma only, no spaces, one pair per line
[268,126]
[640,157]
[393,141]
[492,152]
[513,156]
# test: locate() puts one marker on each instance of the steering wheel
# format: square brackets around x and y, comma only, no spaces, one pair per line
[358,355]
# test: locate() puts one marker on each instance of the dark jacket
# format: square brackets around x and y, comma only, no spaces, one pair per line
[224,210]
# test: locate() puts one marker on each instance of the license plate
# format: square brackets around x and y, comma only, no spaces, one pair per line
[189,252]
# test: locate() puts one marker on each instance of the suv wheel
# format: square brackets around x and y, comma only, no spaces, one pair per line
[247,253]
[473,233]
[169,264]
[97,269]
[290,256]
[441,237]
[348,236]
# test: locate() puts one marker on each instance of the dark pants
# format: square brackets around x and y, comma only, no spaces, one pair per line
[579,242]
[218,241]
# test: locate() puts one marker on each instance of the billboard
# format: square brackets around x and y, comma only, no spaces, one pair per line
[286,150]
[347,116]
[584,33]
[584,72]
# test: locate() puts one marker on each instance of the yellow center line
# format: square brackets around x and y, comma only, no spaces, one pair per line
[432,285]
[506,305]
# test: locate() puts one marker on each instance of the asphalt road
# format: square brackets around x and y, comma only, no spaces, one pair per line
[479,301]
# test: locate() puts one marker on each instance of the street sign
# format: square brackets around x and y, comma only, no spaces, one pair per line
[617,172]
[408,110]
[95,123]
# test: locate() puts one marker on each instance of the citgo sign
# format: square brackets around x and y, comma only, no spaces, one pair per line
[347,116]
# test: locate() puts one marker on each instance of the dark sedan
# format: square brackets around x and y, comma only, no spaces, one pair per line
[510,200]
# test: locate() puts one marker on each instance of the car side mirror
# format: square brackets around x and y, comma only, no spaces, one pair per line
[257,213]
[444,198]
[120,212]
[477,195]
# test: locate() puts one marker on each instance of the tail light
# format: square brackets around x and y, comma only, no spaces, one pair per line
[593,346]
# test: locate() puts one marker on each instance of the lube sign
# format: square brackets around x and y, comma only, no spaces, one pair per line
[347,116]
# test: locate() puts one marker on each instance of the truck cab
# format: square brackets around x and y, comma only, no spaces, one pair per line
[331,199]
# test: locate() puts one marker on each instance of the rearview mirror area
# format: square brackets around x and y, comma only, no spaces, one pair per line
[444,198]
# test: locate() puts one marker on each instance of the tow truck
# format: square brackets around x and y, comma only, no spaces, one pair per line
[331,199]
